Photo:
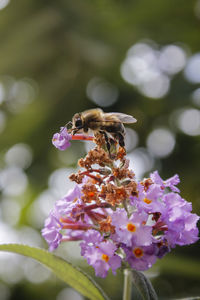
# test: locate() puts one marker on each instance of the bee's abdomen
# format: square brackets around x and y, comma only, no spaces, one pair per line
[113,127]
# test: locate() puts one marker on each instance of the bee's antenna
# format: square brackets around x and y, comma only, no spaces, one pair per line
[69,123]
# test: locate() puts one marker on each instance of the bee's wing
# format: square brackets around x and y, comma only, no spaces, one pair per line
[123,117]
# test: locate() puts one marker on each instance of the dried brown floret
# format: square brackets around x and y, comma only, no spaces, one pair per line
[77,177]
[146,183]
[122,173]
[131,188]
[131,174]
[99,139]
[90,193]
[105,225]
[116,185]
[113,194]
[121,153]
[95,156]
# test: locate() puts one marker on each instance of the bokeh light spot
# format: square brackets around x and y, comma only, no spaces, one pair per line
[156,87]
[29,236]
[172,59]
[43,204]
[196,97]
[131,139]
[59,182]
[19,155]
[102,92]
[69,293]
[2,93]
[11,270]
[192,69]
[4,3]
[20,94]
[161,142]
[141,68]
[10,210]
[2,121]
[36,273]
[189,121]
[141,161]
[13,181]
[197,9]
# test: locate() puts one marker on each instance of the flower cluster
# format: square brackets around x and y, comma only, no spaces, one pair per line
[117,219]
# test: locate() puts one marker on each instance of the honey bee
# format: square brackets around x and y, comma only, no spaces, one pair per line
[104,123]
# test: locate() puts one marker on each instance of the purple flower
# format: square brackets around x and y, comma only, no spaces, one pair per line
[133,229]
[51,231]
[100,254]
[68,202]
[174,201]
[55,228]
[93,236]
[181,223]
[141,258]
[170,183]
[61,140]
[182,230]
[150,200]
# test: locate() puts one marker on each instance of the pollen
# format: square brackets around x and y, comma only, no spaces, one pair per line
[105,257]
[131,227]
[138,252]
[147,201]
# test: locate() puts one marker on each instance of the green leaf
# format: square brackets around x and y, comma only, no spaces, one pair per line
[61,268]
[144,286]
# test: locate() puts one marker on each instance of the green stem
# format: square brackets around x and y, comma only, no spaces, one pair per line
[127,285]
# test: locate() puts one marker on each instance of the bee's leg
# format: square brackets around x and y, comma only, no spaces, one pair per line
[107,140]
[118,136]
[121,140]
[74,130]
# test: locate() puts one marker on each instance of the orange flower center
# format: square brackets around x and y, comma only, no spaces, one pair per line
[138,252]
[131,227]
[105,257]
[147,201]
[91,194]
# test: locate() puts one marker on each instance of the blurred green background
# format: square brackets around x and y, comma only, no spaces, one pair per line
[62,57]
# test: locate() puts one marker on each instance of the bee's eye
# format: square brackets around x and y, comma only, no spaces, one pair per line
[78,123]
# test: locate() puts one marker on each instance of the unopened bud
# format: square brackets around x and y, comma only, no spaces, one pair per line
[104,171]
[125,182]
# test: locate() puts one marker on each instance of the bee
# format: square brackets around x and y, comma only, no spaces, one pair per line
[104,123]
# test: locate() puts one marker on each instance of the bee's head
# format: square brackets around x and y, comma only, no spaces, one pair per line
[77,122]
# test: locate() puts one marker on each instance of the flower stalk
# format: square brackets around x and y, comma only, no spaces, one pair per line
[127,285]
